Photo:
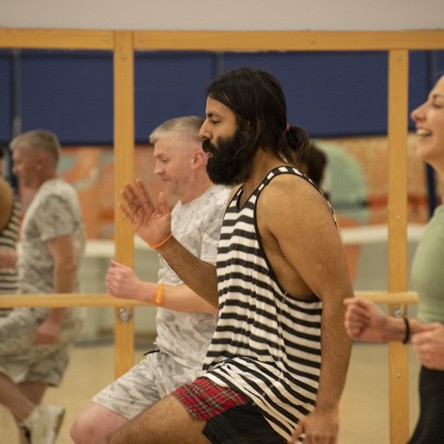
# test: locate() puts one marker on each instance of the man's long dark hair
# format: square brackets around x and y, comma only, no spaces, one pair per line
[257,100]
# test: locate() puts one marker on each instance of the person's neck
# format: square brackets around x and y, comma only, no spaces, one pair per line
[43,179]
[263,162]
[196,190]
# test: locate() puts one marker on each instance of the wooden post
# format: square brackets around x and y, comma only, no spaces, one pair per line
[397,241]
[123,172]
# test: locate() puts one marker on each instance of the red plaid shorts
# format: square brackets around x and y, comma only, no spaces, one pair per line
[204,399]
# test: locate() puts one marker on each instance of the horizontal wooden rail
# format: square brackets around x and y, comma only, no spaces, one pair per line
[392,298]
[226,40]
[56,39]
[105,300]
[58,300]
[288,40]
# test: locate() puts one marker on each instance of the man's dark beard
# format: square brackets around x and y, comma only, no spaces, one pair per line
[226,163]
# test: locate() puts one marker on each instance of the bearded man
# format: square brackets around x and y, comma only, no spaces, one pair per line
[277,363]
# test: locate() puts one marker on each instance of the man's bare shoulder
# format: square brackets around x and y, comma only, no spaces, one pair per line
[293,187]
[292,200]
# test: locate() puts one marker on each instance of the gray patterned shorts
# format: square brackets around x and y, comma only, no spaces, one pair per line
[22,360]
[155,377]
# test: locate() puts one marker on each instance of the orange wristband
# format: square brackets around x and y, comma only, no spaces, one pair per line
[155,246]
[159,295]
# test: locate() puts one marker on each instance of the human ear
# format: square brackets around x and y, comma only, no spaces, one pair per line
[199,157]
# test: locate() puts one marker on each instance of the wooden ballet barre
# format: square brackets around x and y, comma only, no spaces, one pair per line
[63,300]
[58,300]
[391,298]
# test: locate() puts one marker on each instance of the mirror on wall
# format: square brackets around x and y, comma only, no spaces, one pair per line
[339,98]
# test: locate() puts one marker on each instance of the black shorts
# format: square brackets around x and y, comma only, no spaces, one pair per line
[241,425]
[430,426]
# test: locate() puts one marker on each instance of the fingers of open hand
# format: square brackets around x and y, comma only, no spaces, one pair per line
[130,198]
[143,192]
[135,218]
[140,196]
[135,195]
[124,211]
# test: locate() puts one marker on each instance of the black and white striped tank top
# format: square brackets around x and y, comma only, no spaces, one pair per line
[8,240]
[267,344]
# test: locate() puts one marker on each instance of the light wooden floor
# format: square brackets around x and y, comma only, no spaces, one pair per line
[364,409]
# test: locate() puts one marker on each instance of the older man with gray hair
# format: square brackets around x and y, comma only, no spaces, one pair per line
[34,342]
[185,322]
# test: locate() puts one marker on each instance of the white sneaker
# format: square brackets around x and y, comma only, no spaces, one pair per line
[44,424]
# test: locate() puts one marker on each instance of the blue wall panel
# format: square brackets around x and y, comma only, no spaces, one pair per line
[6,99]
[422,77]
[439,58]
[169,84]
[70,93]
[328,93]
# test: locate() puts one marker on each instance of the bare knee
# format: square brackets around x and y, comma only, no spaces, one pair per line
[95,424]
[81,428]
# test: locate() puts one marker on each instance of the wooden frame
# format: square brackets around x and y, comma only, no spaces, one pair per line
[124,43]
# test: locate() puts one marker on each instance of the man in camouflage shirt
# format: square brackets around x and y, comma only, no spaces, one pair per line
[34,342]
[185,322]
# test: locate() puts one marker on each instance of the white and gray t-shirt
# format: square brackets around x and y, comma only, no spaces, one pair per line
[195,225]
[53,212]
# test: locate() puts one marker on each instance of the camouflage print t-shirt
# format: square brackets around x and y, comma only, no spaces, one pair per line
[196,225]
[53,212]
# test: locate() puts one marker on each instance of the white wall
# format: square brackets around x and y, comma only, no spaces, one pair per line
[224,14]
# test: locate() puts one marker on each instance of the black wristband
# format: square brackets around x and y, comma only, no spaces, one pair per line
[407,331]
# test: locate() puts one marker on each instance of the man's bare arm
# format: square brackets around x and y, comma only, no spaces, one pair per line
[198,275]
[152,221]
[64,279]
[122,281]
[302,230]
